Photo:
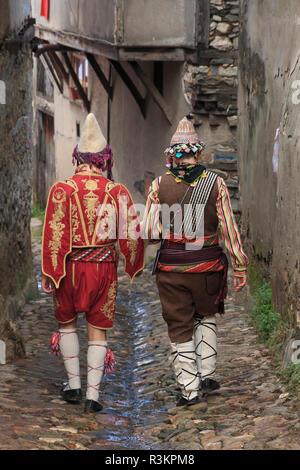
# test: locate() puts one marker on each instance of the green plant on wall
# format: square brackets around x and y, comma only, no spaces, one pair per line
[273,330]
[291,375]
[263,314]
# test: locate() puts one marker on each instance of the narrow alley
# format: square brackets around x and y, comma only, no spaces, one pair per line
[129,122]
[251,411]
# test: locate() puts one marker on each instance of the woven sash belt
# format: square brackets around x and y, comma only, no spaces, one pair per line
[180,256]
[99,254]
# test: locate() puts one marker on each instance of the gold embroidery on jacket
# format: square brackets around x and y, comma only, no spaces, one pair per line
[76,237]
[132,238]
[79,208]
[133,250]
[58,198]
[91,203]
[108,309]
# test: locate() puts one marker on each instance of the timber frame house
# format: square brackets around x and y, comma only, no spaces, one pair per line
[54,46]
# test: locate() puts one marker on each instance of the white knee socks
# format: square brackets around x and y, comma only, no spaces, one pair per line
[205,338]
[185,367]
[69,347]
[96,358]
[175,364]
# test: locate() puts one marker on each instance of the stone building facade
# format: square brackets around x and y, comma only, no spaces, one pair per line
[210,88]
[269,163]
[15,165]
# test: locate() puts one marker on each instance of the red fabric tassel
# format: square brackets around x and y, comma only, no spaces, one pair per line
[45,9]
[54,340]
[109,362]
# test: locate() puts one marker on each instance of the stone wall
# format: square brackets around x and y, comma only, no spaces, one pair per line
[269,100]
[211,89]
[15,171]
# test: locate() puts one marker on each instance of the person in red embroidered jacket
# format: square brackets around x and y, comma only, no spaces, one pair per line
[86,216]
[192,272]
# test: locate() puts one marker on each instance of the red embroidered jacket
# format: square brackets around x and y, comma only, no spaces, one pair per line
[88,210]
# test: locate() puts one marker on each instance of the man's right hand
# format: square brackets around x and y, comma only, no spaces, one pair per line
[47,285]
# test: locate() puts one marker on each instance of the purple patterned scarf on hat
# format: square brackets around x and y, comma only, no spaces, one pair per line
[103,159]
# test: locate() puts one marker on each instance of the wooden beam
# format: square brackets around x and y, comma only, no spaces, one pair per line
[152,54]
[202,24]
[214,54]
[73,74]
[156,95]
[49,69]
[59,66]
[100,74]
[131,86]
[43,48]
[78,42]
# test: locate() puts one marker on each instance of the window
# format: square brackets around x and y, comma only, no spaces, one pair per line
[81,68]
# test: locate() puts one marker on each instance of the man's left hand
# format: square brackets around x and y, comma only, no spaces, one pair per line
[239,282]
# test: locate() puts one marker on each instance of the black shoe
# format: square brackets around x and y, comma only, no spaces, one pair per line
[92,406]
[209,385]
[184,402]
[71,396]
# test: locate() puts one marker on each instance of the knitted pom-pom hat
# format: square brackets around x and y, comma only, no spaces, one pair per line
[184,141]
[185,132]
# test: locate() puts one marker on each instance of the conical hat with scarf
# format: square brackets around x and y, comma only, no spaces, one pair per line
[92,139]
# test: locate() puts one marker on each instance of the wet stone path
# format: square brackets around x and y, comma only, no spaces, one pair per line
[251,411]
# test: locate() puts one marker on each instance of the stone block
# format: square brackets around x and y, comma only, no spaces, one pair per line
[225,158]
[232,184]
[222,61]
[235,204]
[231,18]
[232,121]
[231,71]
[225,166]
[224,28]
[207,157]
[236,43]
[221,43]
[216,3]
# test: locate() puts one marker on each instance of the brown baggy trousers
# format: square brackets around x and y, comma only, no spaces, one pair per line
[184,296]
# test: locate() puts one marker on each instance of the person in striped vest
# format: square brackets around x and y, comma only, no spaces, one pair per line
[191,267]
